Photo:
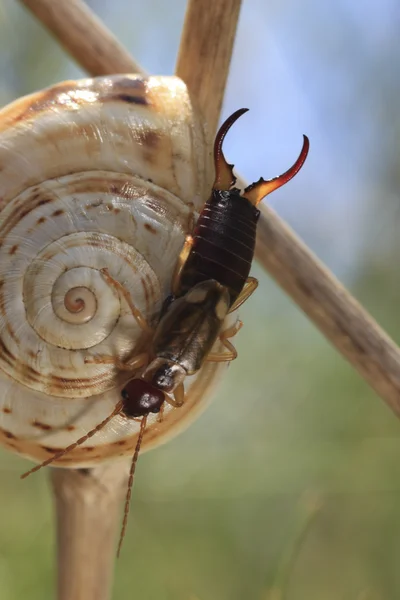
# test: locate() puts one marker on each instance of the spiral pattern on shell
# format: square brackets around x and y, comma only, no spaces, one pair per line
[105,173]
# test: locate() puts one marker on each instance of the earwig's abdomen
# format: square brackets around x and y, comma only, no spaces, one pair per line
[223,243]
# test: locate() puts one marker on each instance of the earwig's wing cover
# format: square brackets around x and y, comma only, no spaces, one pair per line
[261,188]
[224,177]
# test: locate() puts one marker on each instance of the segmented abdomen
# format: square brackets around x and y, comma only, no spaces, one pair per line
[223,243]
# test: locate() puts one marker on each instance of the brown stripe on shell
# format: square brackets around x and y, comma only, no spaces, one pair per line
[146,292]
[7,410]
[149,138]
[42,426]
[52,384]
[28,106]
[61,382]
[28,369]
[6,355]
[126,89]
[71,95]
[49,449]
[11,332]
[39,198]
[129,98]
[150,228]
[147,289]
[9,444]
[2,305]
[7,434]
[27,374]
[69,460]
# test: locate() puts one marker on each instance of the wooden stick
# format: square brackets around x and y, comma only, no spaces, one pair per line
[88,509]
[330,306]
[83,36]
[205,53]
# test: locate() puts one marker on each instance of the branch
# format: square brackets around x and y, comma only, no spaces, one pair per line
[330,306]
[83,36]
[205,53]
[88,510]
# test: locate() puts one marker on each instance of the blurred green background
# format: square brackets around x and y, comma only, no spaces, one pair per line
[287,487]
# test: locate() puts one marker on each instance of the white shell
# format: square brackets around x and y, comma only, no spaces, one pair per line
[106,172]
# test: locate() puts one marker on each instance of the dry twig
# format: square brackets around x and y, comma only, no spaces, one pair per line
[88,503]
[205,53]
[330,306]
[84,36]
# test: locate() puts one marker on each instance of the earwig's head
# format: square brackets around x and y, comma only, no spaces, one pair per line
[254,193]
[147,394]
[141,398]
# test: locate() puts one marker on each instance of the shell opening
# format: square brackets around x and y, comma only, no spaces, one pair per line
[81,305]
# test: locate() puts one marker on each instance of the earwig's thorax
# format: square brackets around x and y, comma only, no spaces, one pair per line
[235,204]
[165,374]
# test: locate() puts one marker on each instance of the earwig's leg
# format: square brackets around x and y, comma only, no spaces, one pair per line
[226,356]
[232,352]
[140,319]
[179,397]
[160,414]
[249,287]
[181,263]
[133,363]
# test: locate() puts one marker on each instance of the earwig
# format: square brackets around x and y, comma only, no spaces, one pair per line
[223,241]
[210,281]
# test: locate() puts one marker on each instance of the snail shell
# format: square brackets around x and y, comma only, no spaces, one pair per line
[99,173]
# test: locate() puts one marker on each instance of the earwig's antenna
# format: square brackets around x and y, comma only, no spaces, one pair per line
[81,440]
[224,177]
[130,482]
[255,192]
